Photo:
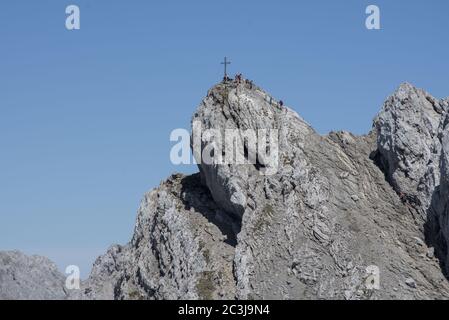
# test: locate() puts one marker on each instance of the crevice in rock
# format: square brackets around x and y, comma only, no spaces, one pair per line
[382,164]
[191,187]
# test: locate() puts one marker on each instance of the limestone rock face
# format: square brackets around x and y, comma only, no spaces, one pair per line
[182,248]
[409,129]
[313,228]
[437,224]
[306,217]
[412,139]
[29,278]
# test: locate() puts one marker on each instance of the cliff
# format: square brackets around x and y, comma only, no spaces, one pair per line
[305,217]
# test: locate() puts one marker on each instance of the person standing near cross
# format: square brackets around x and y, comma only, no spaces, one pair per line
[226,62]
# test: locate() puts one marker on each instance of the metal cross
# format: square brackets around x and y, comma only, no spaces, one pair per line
[226,62]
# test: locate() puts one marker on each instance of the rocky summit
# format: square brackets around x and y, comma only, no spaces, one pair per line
[341,217]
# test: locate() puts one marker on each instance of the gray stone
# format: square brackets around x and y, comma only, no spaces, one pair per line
[430,253]
[337,204]
[182,248]
[29,278]
[413,145]
[410,282]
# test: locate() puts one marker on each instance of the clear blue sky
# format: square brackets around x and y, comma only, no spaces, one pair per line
[85,116]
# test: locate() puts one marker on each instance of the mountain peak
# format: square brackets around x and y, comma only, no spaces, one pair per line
[278,211]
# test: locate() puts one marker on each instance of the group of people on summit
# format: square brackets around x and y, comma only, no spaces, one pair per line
[239,79]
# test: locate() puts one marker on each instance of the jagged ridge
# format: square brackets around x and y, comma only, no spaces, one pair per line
[337,204]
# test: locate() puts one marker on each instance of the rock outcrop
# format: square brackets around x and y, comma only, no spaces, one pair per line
[409,129]
[312,229]
[182,248]
[29,278]
[412,145]
[308,217]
